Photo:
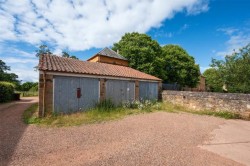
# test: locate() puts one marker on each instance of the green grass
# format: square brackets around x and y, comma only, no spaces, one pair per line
[221,114]
[169,107]
[30,115]
[107,112]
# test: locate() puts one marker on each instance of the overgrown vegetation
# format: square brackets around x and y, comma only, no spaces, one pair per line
[106,111]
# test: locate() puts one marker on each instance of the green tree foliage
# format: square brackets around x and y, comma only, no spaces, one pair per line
[235,70]
[6,91]
[8,77]
[34,88]
[29,85]
[3,66]
[179,66]
[67,55]
[143,53]
[43,49]
[214,82]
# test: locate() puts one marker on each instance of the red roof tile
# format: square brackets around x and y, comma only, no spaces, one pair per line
[60,64]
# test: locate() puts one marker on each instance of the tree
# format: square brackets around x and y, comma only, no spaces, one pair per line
[214,81]
[43,49]
[3,69]
[73,57]
[34,87]
[27,86]
[143,53]
[235,70]
[11,77]
[8,77]
[179,66]
[3,66]
[67,55]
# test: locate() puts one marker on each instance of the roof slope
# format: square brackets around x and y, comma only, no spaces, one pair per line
[110,53]
[60,64]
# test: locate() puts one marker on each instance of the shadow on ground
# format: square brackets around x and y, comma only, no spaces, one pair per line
[12,127]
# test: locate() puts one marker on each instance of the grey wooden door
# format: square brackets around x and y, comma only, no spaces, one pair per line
[148,90]
[65,93]
[90,93]
[119,91]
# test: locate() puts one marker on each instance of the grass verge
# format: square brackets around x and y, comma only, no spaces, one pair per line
[108,112]
[222,114]
[29,115]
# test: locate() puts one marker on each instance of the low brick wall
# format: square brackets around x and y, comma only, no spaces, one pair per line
[232,102]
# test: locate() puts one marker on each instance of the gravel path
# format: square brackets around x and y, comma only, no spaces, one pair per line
[147,139]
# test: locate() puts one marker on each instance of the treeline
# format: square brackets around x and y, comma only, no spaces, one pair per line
[171,63]
[231,74]
[9,83]
[174,65]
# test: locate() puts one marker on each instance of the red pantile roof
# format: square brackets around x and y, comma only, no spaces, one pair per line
[60,64]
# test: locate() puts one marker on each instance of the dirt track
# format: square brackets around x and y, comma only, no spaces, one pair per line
[148,139]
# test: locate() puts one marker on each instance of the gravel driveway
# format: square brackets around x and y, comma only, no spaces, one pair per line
[147,139]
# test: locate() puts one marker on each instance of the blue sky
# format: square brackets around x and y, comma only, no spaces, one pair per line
[206,29]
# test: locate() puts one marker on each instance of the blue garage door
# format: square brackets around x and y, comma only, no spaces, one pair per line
[65,93]
[148,90]
[119,91]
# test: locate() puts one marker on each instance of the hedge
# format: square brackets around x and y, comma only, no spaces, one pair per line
[6,91]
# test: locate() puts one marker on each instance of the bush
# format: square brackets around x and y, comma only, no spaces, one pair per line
[6,91]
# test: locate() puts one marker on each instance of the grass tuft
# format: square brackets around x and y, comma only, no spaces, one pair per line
[29,115]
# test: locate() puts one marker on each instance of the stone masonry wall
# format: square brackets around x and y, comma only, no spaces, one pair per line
[232,102]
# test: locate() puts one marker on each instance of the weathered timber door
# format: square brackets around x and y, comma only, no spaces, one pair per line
[119,91]
[72,94]
[148,90]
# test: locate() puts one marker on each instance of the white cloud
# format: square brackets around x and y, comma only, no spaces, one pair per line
[15,60]
[198,7]
[21,62]
[23,67]
[25,73]
[238,38]
[183,28]
[83,24]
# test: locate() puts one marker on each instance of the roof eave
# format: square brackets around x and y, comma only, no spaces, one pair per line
[90,74]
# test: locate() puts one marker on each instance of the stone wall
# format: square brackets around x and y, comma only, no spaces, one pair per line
[232,102]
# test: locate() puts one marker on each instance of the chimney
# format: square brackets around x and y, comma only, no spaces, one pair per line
[117,51]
